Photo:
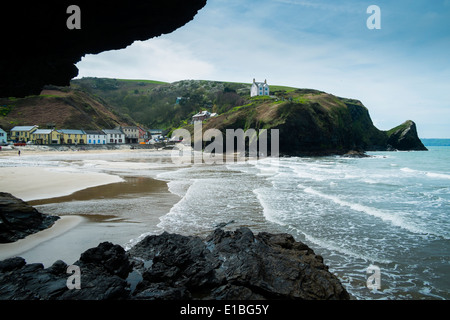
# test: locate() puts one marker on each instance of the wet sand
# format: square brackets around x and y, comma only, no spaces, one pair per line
[94,207]
[116,213]
[62,225]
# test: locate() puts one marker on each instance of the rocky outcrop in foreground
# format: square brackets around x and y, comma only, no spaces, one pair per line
[226,265]
[18,219]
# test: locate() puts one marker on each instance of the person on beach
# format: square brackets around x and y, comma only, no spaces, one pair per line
[19,153]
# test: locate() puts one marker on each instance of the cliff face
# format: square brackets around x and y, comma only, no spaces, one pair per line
[316,123]
[38,48]
[404,137]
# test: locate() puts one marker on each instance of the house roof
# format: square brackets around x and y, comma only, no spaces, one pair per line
[71,131]
[23,128]
[43,131]
[202,113]
[112,131]
[261,84]
[96,132]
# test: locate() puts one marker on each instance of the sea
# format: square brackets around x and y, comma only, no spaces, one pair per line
[389,211]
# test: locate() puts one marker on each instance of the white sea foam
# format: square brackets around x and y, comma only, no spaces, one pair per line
[434,175]
[392,218]
[269,213]
[332,246]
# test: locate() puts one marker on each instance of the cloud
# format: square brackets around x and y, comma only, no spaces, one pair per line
[158,59]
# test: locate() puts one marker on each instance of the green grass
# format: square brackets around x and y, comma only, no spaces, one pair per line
[403,126]
[240,107]
[281,88]
[143,81]
[301,100]
[262,98]
[49,96]
[4,110]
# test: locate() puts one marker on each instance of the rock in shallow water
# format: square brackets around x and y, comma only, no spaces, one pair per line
[18,219]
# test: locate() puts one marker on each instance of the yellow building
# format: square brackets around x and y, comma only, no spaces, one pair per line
[22,133]
[68,136]
[46,136]
[55,137]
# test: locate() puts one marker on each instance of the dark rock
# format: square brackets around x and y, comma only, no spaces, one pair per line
[161,291]
[356,154]
[18,219]
[12,264]
[405,138]
[226,265]
[223,224]
[102,271]
[233,265]
[109,257]
[40,50]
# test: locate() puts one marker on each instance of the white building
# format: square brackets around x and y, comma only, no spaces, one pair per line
[203,115]
[131,134]
[259,89]
[95,137]
[114,136]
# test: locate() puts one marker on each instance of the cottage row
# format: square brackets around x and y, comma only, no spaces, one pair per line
[32,134]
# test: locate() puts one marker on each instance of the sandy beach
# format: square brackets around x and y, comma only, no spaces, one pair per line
[93,206]
[31,183]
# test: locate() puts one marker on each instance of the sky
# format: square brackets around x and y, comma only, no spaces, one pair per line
[399,72]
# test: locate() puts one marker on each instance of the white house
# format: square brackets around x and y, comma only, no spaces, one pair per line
[3,136]
[203,115]
[95,137]
[114,136]
[131,134]
[259,89]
